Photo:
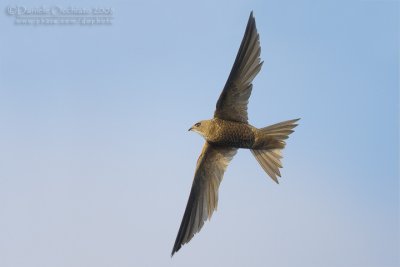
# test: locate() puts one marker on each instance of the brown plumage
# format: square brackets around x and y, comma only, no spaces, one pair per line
[226,133]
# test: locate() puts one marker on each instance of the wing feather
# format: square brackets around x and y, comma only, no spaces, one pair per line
[232,103]
[203,198]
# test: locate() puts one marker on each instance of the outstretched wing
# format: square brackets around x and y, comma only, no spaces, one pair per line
[232,103]
[203,198]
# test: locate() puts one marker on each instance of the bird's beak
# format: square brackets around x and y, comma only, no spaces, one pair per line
[190,129]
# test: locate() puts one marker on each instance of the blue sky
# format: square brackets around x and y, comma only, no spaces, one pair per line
[97,164]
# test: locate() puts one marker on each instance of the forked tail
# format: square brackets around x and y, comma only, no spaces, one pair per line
[270,156]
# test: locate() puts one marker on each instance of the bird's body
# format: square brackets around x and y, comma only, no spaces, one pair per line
[230,133]
[227,132]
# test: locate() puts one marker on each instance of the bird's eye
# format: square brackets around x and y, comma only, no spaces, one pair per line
[197,124]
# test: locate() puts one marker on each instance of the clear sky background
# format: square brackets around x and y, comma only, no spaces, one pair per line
[96,163]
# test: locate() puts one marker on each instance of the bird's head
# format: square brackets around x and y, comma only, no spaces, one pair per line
[202,128]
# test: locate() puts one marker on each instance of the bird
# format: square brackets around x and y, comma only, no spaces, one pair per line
[229,131]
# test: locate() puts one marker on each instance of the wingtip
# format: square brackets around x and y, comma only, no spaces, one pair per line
[251,17]
[173,251]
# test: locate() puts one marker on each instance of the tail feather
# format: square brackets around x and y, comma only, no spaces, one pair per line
[270,157]
[269,163]
[280,131]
